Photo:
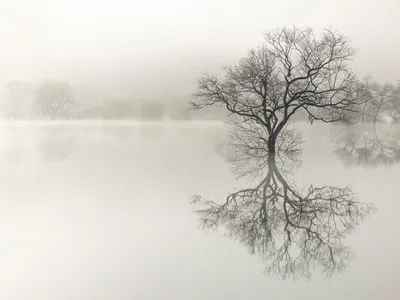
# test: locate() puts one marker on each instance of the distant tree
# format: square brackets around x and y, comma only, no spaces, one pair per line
[184,113]
[54,99]
[178,110]
[394,111]
[119,109]
[95,112]
[16,93]
[379,99]
[152,110]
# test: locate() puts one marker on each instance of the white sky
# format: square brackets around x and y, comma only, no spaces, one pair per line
[166,44]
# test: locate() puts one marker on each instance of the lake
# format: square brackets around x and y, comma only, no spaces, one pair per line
[101,210]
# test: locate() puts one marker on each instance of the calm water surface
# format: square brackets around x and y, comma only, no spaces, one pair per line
[100,211]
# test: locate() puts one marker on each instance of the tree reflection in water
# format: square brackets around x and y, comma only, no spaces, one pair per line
[56,146]
[366,145]
[294,230]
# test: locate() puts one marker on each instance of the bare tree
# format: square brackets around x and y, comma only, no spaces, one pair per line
[292,71]
[378,100]
[54,99]
[16,94]
[394,111]
[295,229]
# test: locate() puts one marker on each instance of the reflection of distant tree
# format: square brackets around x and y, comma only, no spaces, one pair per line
[16,148]
[365,144]
[293,229]
[56,145]
[119,132]
[14,153]
[150,132]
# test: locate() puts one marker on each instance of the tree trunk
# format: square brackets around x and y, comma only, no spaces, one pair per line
[271,149]
[363,113]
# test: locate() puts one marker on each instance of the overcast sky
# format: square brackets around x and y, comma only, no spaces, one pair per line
[164,45]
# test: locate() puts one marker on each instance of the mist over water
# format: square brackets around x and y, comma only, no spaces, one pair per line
[106,138]
[101,211]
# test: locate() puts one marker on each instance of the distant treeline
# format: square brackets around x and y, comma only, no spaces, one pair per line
[148,109]
[54,99]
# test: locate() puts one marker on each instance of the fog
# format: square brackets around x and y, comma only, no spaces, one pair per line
[96,191]
[92,211]
[161,47]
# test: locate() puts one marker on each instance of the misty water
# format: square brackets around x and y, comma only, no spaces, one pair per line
[101,210]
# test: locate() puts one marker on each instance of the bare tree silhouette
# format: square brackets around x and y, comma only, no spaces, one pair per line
[16,94]
[54,99]
[294,229]
[290,72]
[378,100]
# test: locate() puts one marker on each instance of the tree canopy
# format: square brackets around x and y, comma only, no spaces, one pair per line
[293,70]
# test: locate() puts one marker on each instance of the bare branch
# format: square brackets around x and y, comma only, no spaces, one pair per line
[54,99]
[293,70]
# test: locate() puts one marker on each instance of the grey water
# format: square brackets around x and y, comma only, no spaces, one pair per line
[102,211]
